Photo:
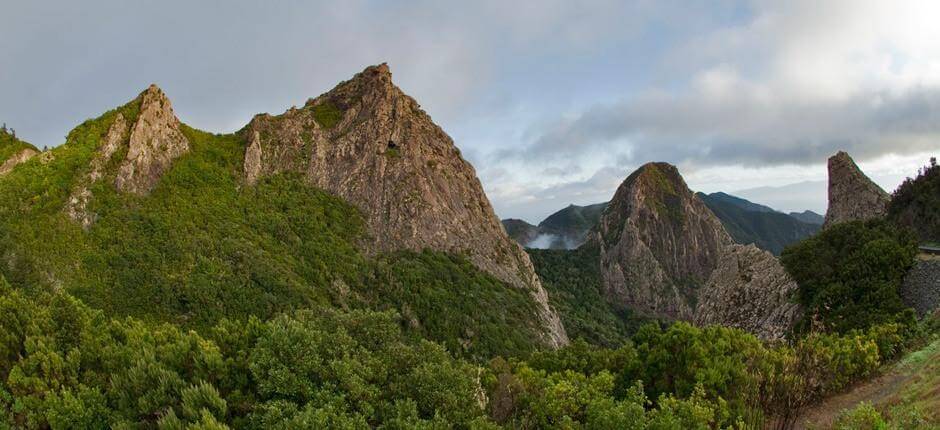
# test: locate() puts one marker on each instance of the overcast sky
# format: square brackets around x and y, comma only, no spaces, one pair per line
[553,101]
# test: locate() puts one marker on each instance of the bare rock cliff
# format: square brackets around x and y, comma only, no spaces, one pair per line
[155,141]
[17,159]
[749,290]
[658,243]
[852,195]
[371,144]
[663,253]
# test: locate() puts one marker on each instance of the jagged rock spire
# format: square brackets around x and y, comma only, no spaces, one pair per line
[852,195]
[155,142]
[371,144]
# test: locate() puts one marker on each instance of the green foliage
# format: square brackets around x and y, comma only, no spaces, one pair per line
[573,281]
[327,114]
[750,223]
[10,145]
[849,275]
[203,247]
[916,203]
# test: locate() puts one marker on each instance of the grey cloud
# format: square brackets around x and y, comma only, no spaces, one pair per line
[746,130]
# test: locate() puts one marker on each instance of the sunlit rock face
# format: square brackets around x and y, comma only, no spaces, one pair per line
[371,144]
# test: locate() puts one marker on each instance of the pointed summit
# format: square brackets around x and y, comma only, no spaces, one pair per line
[658,243]
[852,195]
[371,144]
[155,142]
[151,133]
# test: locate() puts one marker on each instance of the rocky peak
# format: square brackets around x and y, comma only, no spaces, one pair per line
[852,195]
[371,144]
[155,142]
[665,254]
[658,243]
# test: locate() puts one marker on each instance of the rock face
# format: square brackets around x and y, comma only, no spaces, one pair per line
[852,195]
[18,158]
[77,205]
[658,243]
[369,143]
[155,142]
[663,253]
[749,290]
[921,288]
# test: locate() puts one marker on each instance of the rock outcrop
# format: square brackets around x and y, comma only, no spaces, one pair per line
[369,143]
[664,254]
[750,290]
[658,243]
[152,141]
[17,159]
[155,142]
[921,287]
[852,195]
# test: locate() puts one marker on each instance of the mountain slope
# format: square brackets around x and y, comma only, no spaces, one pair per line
[13,151]
[658,243]
[751,223]
[809,217]
[189,241]
[664,254]
[370,144]
[916,203]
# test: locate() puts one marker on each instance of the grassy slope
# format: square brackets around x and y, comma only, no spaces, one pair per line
[910,386]
[573,281]
[10,145]
[203,247]
[771,231]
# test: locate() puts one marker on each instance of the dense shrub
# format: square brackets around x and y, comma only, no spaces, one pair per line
[849,275]
[916,203]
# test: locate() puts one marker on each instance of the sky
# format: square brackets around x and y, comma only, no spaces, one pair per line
[554,102]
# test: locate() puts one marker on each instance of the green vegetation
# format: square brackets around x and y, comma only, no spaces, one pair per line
[327,114]
[202,247]
[747,222]
[10,145]
[64,365]
[916,203]
[849,275]
[573,281]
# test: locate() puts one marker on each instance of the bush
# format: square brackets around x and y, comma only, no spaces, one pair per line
[849,276]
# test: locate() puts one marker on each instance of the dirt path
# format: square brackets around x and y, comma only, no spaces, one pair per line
[917,370]
[875,391]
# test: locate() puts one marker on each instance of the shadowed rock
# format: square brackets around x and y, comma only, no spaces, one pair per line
[852,195]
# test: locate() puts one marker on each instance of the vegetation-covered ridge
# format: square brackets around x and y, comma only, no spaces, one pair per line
[65,365]
[203,246]
[10,144]
[916,204]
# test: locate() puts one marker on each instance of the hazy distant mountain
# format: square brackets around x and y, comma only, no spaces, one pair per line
[807,195]
[565,229]
[808,217]
[753,223]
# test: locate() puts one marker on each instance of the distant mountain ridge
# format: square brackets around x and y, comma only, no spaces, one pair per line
[746,221]
[753,223]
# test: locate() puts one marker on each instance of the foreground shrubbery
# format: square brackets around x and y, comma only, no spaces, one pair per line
[849,275]
[63,365]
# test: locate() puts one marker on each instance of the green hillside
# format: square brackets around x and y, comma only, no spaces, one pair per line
[203,247]
[747,222]
[10,144]
[916,204]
